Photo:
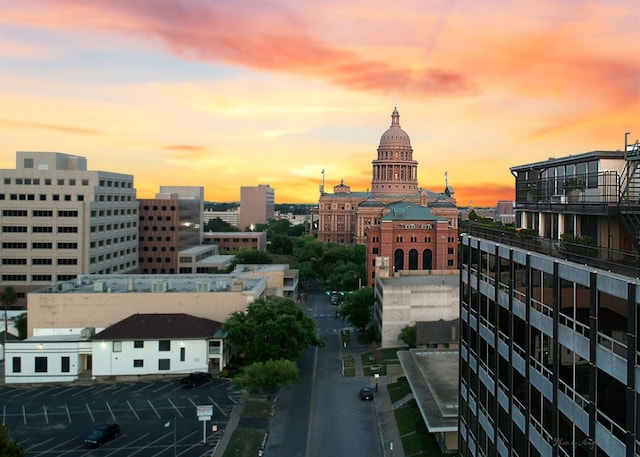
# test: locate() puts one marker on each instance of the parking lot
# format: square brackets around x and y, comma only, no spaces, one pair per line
[157,418]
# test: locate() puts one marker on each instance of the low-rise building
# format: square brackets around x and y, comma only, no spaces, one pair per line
[230,242]
[410,297]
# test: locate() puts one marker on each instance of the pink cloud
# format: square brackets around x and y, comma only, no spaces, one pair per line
[256,35]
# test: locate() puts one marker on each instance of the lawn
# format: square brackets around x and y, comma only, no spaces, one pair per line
[416,440]
[245,442]
[348,366]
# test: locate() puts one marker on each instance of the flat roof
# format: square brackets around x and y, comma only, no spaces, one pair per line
[155,283]
[434,277]
[434,378]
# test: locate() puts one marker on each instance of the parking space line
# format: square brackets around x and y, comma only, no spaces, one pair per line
[150,445]
[93,419]
[192,402]
[42,392]
[217,406]
[68,414]
[232,399]
[46,416]
[163,387]
[24,415]
[133,410]
[175,407]
[63,391]
[154,410]
[110,411]
[83,391]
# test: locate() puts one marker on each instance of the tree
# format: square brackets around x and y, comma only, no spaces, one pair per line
[9,447]
[252,256]
[408,335]
[357,308]
[218,225]
[271,328]
[281,244]
[20,323]
[270,376]
[8,298]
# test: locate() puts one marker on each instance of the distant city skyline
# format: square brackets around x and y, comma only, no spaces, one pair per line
[223,95]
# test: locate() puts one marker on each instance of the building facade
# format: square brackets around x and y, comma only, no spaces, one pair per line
[60,220]
[345,216]
[256,205]
[230,242]
[413,238]
[549,351]
[410,297]
[168,224]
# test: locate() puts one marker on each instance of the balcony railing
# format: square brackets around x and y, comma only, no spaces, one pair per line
[622,262]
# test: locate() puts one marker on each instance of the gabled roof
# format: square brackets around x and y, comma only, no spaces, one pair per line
[160,326]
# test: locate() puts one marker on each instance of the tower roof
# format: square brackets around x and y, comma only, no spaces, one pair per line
[394,136]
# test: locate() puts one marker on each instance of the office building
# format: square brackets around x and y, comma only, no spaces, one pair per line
[168,224]
[60,220]
[256,206]
[550,314]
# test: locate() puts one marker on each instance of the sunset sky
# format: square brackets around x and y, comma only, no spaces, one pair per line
[223,94]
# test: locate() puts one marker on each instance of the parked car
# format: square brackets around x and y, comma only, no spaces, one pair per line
[101,435]
[366,393]
[196,379]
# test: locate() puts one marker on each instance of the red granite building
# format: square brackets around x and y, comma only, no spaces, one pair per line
[373,217]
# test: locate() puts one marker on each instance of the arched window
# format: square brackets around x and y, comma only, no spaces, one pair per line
[427,259]
[398,260]
[413,259]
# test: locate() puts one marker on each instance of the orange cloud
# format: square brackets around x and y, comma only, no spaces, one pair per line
[43,126]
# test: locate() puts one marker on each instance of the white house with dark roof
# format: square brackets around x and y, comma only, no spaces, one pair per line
[139,345]
[156,344]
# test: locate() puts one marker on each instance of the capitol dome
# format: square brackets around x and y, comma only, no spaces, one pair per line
[395,137]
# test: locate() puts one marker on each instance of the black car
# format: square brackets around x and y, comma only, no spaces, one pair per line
[366,393]
[101,435]
[195,379]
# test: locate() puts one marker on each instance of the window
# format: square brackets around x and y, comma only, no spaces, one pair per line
[164,364]
[28,163]
[65,364]
[138,363]
[164,345]
[183,353]
[138,344]
[17,364]
[117,346]
[40,365]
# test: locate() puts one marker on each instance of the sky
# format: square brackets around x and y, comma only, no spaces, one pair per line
[224,94]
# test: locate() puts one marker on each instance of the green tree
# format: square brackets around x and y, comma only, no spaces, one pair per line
[8,447]
[270,376]
[218,225]
[271,328]
[357,308]
[8,298]
[281,244]
[20,323]
[408,335]
[252,256]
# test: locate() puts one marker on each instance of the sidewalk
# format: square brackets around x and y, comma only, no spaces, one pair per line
[234,418]
[390,440]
